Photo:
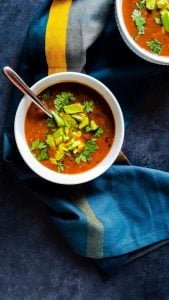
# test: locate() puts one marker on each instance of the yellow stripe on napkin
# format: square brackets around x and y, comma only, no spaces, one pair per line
[55,39]
[95,228]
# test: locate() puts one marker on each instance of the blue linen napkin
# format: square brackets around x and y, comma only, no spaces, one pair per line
[126,210]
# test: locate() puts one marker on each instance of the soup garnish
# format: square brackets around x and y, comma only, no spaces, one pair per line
[80,133]
[148,23]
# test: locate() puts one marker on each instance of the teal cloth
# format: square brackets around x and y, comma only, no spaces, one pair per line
[130,202]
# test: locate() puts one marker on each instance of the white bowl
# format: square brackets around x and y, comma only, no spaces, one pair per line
[146,55]
[43,171]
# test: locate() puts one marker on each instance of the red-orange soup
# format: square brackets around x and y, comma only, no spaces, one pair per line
[153,30]
[36,127]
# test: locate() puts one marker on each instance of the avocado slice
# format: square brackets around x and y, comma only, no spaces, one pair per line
[165,19]
[150,4]
[73,108]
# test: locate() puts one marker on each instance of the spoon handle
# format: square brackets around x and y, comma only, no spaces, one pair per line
[23,87]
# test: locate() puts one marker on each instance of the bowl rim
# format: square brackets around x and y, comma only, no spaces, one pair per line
[141,52]
[36,166]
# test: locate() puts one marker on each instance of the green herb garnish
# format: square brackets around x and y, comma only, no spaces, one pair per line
[65,98]
[155,46]
[46,95]
[99,132]
[50,123]
[60,166]
[158,21]
[139,21]
[141,4]
[37,145]
[89,148]
[89,106]
[43,155]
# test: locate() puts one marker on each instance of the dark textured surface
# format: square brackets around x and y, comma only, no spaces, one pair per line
[35,263]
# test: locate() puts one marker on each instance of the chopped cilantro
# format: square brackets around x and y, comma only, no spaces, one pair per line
[155,46]
[60,166]
[158,21]
[99,132]
[141,4]
[139,20]
[42,155]
[89,106]
[89,148]
[46,95]
[37,144]
[50,123]
[65,98]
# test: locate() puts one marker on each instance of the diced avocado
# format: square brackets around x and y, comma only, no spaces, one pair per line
[69,121]
[58,140]
[58,135]
[150,4]
[50,140]
[58,119]
[93,125]
[67,131]
[165,19]
[77,134]
[73,144]
[53,161]
[67,134]
[59,155]
[62,147]
[84,122]
[66,138]
[78,117]
[73,108]
[162,4]
[79,148]
[58,132]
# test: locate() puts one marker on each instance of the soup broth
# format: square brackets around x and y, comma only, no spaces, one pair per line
[80,134]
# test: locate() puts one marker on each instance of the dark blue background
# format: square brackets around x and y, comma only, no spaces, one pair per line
[35,263]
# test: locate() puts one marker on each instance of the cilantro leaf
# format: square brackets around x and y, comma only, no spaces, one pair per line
[158,21]
[37,144]
[155,46]
[141,4]
[41,145]
[50,123]
[99,132]
[42,155]
[139,21]
[60,166]
[89,148]
[89,106]
[46,95]
[65,98]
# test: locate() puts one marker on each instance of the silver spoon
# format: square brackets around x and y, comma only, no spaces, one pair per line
[23,87]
